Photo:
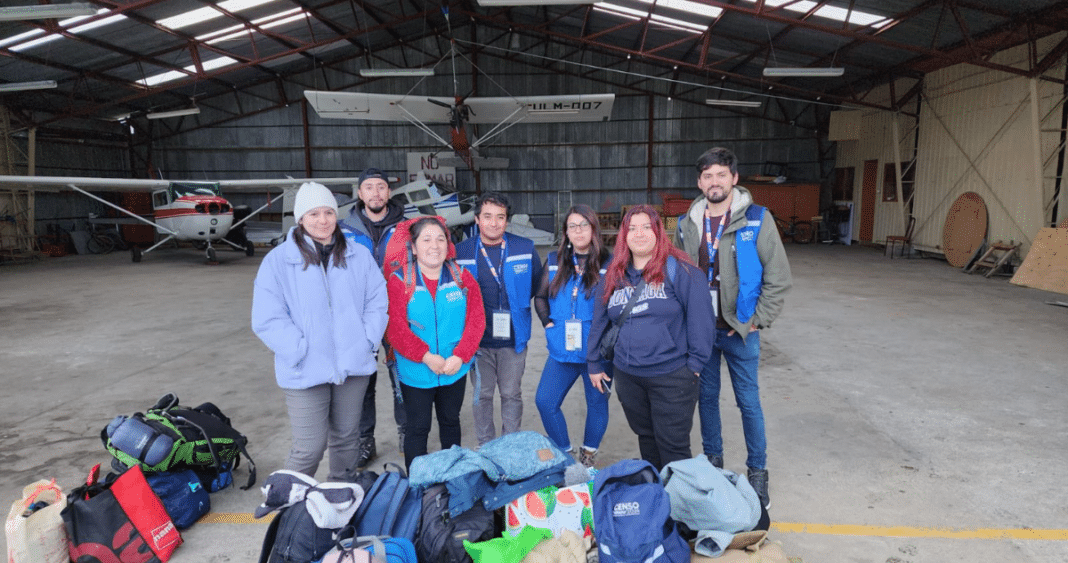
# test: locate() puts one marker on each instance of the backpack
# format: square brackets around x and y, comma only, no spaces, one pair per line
[632,516]
[182,494]
[362,549]
[389,508]
[293,537]
[441,537]
[399,256]
[198,438]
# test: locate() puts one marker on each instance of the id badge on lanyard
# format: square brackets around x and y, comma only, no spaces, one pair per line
[572,335]
[502,324]
[713,248]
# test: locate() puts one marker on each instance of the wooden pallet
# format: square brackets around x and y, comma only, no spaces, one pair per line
[996,256]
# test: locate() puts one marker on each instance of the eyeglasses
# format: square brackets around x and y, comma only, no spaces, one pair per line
[575,227]
[647,227]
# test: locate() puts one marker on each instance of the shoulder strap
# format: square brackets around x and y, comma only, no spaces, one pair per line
[672,269]
[630,304]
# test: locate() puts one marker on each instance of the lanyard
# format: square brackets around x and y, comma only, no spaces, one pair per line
[713,245]
[497,278]
[578,280]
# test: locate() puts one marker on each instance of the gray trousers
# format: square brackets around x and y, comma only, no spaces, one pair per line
[322,416]
[503,368]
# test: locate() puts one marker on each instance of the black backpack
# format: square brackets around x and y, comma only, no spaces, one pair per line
[293,537]
[441,537]
[201,438]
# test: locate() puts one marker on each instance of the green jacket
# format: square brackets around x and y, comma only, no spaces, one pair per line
[777,279]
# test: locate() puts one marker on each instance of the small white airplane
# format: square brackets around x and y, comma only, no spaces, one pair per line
[422,196]
[183,211]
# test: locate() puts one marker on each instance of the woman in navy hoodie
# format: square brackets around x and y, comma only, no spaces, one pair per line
[663,343]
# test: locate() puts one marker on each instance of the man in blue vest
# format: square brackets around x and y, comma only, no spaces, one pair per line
[375,217]
[506,267]
[735,241]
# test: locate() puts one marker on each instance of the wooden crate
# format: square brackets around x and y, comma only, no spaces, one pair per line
[608,220]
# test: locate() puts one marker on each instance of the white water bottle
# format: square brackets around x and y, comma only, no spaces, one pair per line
[139,440]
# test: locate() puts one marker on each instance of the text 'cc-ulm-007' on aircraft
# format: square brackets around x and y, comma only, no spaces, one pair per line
[182,211]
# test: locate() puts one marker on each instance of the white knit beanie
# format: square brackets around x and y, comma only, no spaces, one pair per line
[310,196]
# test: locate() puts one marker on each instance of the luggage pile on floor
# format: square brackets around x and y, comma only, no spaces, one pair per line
[519,499]
[166,461]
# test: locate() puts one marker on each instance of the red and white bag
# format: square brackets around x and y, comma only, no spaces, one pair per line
[34,533]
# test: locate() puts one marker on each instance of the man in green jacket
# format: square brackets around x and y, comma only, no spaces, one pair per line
[736,242]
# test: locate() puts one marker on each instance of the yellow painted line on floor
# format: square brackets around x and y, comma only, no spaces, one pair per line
[235,518]
[790,528]
[916,532]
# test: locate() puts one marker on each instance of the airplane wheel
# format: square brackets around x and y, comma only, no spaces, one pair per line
[135,254]
[211,255]
[199,244]
[250,249]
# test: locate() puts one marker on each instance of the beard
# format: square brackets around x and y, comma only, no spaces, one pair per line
[377,210]
[720,198]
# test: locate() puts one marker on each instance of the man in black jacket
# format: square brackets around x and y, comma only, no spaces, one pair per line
[376,216]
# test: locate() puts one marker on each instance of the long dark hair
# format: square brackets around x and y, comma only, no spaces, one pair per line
[621,258]
[598,253]
[311,255]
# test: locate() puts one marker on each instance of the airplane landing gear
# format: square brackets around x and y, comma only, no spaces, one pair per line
[211,254]
[250,249]
[135,254]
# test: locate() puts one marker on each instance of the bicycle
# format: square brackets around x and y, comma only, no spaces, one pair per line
[798,231]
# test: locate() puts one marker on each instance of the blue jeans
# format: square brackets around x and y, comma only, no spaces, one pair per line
[556,380]
[743,357]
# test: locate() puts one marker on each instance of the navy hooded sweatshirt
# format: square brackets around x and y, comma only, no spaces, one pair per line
[672,325]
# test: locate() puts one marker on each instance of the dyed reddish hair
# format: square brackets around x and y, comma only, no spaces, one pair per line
[654,271]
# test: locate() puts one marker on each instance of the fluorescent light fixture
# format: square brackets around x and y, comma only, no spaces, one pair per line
[46,11]
[23,86]
[176,113]
[385,72]
[533,2]
[804,71]
[735,103]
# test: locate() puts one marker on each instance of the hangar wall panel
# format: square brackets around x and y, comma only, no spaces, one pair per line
[977,134]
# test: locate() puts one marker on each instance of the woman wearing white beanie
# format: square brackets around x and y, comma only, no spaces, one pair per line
[320,305]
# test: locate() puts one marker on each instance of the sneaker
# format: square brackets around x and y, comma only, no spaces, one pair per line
[758,478]
[717,460]
[367,453]
[587,456]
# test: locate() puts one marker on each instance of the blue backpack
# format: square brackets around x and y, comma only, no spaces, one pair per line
[632,516]
[182,494]
[390,507]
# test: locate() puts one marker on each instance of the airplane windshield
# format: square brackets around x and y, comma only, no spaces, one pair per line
[420,195]
[400,199]
[187,189]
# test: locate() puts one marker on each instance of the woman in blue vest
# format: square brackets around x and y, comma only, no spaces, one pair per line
[435,325]
[565,303]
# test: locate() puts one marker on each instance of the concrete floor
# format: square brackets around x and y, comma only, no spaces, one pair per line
[914,413]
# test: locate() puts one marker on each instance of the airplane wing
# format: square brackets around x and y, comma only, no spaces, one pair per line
[57,183]
[390,107]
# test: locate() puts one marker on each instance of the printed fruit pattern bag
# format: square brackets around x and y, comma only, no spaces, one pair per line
[553,508]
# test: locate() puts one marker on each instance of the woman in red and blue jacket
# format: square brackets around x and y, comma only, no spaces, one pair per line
[436,321]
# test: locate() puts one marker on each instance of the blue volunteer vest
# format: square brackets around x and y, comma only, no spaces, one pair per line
[560,312]
[750,268]
[439,321]
[518,268]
